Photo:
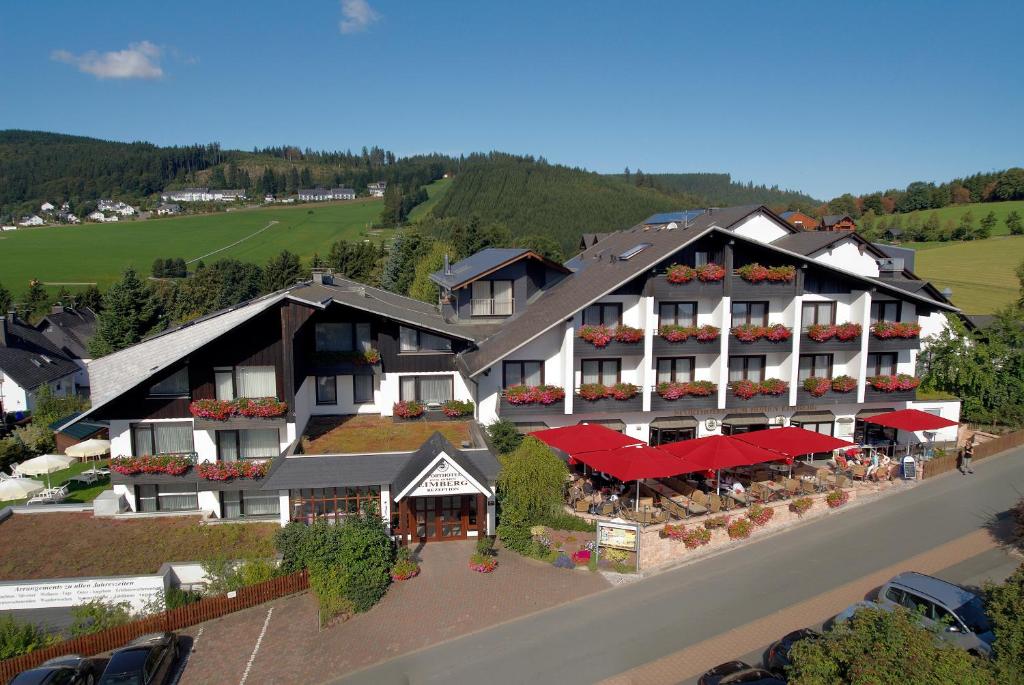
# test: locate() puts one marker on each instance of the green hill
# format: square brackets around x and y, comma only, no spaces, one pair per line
[534,197]
[948,216]
[721,191]
[980,272]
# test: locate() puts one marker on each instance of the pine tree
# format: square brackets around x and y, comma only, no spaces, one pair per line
[159,268]
[217,179]
[5,300]
[1013,223]
[90,298]
[129,313]
[269,181]
[293,180]
[281,271]
[35,301]
[306,178]
[988,222]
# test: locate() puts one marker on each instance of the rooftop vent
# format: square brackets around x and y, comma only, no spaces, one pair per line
[447,265]
[889,264]
[634,251]
[323,276]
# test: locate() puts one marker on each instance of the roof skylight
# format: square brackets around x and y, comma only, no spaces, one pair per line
[634,251]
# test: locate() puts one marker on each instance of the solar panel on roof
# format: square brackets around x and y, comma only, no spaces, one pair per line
[666,217]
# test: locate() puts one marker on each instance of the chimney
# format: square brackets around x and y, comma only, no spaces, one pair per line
[57,308]
[323,276]
[447,265]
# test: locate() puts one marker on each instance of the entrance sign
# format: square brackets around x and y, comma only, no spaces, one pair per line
[624,536]
[445,479]
[138,591]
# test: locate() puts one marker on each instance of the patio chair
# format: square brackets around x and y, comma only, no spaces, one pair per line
[606,509]
[808,487]
[858,471]
[842,482]
[582,506]
[51,496]
[714,503]
[792,486]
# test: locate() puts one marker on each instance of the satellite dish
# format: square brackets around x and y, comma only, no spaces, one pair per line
[671,225]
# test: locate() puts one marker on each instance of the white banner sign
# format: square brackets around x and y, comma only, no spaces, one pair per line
[136,590]
[444,480]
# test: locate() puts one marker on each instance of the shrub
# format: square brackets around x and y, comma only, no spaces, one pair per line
[716,522]
[405,566]
[485,545]
[801,505]
[759,514]
[17,638]
[328,584]
[1005,607]
[175,598]
[37,437]
[563,520]
[837,498]
[504,435]
[563,561]
[514,531]
[532,481]
[94,616]
[224,575]
[581,556]
[740,528]
[290,542]
[483,563]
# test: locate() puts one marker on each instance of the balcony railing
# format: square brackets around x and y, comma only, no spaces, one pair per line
[492,307]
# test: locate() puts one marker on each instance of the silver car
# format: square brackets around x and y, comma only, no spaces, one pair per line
[956,614]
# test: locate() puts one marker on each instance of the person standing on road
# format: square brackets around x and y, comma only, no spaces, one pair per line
[968,455]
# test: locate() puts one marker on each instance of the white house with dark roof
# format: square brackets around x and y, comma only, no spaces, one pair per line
[28,361]
[688,324]
[325,194]
[377,188]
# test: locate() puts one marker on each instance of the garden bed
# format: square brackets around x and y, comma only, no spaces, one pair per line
[59,545]
[371,433]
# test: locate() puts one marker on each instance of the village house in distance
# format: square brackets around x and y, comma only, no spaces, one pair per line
[688,324]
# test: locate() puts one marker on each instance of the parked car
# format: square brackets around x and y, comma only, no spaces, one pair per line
[144,661]
[957,613]
[738,672]
[70,669]
[777,657]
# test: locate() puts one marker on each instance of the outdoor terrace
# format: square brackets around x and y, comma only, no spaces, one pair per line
[363,434]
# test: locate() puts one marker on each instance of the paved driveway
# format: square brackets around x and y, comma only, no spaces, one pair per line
[446,600]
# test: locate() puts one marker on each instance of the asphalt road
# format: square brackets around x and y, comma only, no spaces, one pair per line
[628,626]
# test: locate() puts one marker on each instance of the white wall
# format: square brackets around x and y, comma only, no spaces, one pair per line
[13,395]
[846,254]
[346,395]
[389,385]
[946,409]
[761,228]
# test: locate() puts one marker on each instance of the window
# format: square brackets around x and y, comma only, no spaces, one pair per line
[821,313]
[174,385]
[815,366]
[362,389]
[492,298]
[885,311]
[675,369]
[224,383]
[603,371]
[749,368]
[342,337]
[168,497]
[882,364]
[256,381]
[609,314]
[755,313]
[426,389]
[332,504]
[677,314]
[705,257]
[326,389]
[162,438]
[412,340]
[634,251]
[240,504]
[823,427]
[663,436]
[261,443]
[523,373]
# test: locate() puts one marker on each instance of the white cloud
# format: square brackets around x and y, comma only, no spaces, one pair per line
[139,60]
[358,15]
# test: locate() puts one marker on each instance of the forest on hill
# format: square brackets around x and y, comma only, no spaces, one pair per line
[720,190]
[530,196]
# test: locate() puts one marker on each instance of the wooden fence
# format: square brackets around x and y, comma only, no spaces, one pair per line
[982,450]
[175,619]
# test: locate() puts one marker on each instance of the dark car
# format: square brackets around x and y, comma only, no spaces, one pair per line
[145,660]
[777,658]
[70,669]
[739,672]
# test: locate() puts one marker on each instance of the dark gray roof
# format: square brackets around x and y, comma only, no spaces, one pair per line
[595,276]
[70,330]
[809,242]
[30,359]
[80,430]
[833,219]
[588,240]
[979,321]
[905,253]
[396,468]
[477,264]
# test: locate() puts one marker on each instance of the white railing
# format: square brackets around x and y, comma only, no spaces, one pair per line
[491,307]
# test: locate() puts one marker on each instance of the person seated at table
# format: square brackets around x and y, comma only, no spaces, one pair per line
[588,487]
[737,487]
[880,468]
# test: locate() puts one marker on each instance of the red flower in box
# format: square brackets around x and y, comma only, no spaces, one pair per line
[680,273]
[883,383]
[519,394]
[623,391]
[407,410]
[906,382]
[260,407]
[627,334]
[774,386]
[229,470]
[745,389]
[674,333]
[593,391]
[777,333]
[906,330]
[753,273]
[216,410]
[781,274]
[759,514]
[711,272]
[843,384]
[598,336]
[549,394]
[171,464]
[456,408]
[848,331]
[817,387]
[748,332]
[821,332]
[707,333]
[671,390]
[538,394]
[701,388]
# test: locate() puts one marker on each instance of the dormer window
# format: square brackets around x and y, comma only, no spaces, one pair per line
[343,337]
[492,298]
[412,340]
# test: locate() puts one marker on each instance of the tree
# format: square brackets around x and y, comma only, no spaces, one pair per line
[1005,608]
[965,227]
[306,178]
[1010,185]
[5,300]
[17,638]
[357,260]
[1014,224]
[217,179]
[988,223]
[91,298]
[532,481]
[543,245]
[879,647]
[391,215]
[96,615]
[399,268]
[129,313]
[281,271]
[505,436]
[422,288]
[159,268]
[35,302]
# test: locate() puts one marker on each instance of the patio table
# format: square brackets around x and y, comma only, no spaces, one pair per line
[739,498]
[85,478]
[678,499]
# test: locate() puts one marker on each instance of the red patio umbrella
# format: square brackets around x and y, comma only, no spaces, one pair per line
[635,463]
[911,420]
[793,442]
[718,452]
[583,438]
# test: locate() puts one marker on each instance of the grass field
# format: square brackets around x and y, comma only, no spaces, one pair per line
[435,191]
[978,209]
[980,272]
[99,252]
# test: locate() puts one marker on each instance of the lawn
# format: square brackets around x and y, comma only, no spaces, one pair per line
[978,209]
[78,493]
[367,434]
[435,191]
[980,272]
[68,545]
[99,252]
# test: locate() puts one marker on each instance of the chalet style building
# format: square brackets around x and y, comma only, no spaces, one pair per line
[688,324]
[28,363]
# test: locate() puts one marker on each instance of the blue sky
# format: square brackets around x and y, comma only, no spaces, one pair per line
[822,97]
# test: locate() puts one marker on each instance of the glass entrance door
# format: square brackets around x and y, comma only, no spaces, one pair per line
[451,517]
[440,518]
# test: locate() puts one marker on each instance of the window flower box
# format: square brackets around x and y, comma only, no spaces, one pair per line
[619,391]
[527,399]
[600,336]
[900,381]
[673,390]
[249,407]
[745,389]
[884,330]
[753,338]
[230,470]
[407,410]
[170,464]
[844,384]
[454,409]
[817,387]
[756,273]
[708,273]
[674,334]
